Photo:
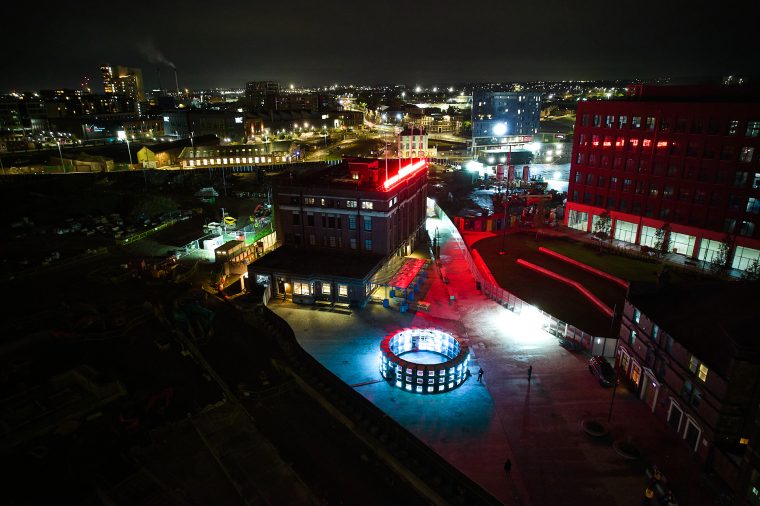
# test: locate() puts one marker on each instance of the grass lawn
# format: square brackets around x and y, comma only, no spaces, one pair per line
[554,297]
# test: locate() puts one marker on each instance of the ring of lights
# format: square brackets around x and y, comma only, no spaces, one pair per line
[423,378]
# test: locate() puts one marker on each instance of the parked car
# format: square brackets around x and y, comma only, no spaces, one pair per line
[599,367]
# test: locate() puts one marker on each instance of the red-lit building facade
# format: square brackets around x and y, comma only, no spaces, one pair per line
[687,156]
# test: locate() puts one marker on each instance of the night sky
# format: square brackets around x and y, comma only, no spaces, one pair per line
[312,42]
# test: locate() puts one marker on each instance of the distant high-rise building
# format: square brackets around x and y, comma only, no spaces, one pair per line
[123,80]
[107,72]
[262,94]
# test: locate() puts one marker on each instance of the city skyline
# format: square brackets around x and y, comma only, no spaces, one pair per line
[320,45]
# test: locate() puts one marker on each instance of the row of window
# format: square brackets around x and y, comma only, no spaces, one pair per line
[741,179]
[237,160]
[331,241]
[333,221]
[694,149]
[680,125]
[306,288]
[746,228]
[349,204]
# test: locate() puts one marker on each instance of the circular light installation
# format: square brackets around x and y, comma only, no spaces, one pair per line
[423,378]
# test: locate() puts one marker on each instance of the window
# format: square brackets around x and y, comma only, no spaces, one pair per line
[622,120]
[636,316]
[368,244]
[353,243]
[367,223]
[632,338]
[747,228]
[300,288]
[613,183]
[325,288]
[733,127]
[351,204]
[753,129]
[650,123]
[636,122]
[352,222]
[746,154]
[310,220]
[667,192]
[332,241]
[655,331]
[578,177]
[312,239]
[343,290]
[753,205]
[597,120]
[296,219]
[589,179]
[668,344]
[741,178]
[609,121]
[728,153]
[584,120]
[367,205]
[698,368]
[309,201]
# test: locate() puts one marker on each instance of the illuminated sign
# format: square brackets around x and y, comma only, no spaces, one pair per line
[238,119]
[404,172]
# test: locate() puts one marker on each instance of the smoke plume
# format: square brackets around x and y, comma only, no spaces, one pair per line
[149,50]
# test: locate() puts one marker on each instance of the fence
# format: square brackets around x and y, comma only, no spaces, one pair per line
[491,288]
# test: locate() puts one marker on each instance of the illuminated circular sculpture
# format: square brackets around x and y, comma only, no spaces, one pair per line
[423,378]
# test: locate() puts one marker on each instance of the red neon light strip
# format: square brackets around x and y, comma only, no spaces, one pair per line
[585,267]
[403,173]
[604,308]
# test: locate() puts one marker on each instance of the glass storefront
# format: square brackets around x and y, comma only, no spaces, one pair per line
[625,231]
[743,257]
[709,250]
[577,220]
[648,237]
[682,243]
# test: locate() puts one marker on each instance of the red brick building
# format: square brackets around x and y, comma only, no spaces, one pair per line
[339,224]
[687,156]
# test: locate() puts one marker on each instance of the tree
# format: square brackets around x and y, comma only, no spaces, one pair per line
[662,240]
[722,260]
[603,226]
[752,273]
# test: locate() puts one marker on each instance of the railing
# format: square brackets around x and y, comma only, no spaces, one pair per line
[491,288]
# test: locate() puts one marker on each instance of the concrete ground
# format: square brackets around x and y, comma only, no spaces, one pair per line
[536,424]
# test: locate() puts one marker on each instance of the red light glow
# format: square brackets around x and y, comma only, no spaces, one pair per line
[620,142]
[647,143]
[634,142]
[404,173]
[662,144]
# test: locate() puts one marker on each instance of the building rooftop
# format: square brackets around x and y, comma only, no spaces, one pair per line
[714,320]
[366,174]
[316,262]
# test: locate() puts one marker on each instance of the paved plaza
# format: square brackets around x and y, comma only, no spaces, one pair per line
[476,427]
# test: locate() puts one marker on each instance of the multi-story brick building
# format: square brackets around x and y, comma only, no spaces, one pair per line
[339,224]
[690,354]
[686,156]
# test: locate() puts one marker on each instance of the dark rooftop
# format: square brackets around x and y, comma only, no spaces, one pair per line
[316,262]
[700,314]
[342,175]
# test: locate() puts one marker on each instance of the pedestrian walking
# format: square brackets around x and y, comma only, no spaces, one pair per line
[507,466]
[530,371]
[480,374]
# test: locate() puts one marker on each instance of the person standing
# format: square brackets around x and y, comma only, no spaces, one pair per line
[480,374]
[530,371]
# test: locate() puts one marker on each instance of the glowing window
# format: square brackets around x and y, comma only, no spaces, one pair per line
[343,290]
[301,288]
[367,205]
[325,288]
